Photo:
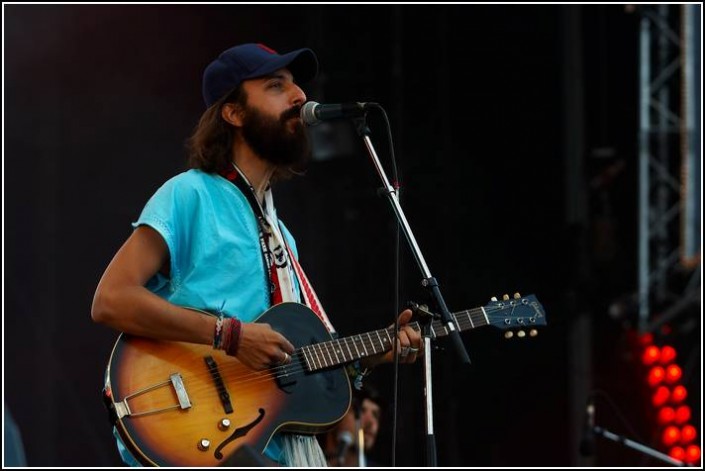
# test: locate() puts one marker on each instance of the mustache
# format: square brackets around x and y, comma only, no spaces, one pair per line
[293,112]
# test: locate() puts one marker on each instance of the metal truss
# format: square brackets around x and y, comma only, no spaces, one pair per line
[669,152]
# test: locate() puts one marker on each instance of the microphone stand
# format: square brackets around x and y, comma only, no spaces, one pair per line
[359,436]
[637,446]
[428,282]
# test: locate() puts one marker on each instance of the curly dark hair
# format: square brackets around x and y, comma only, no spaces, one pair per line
[210,145]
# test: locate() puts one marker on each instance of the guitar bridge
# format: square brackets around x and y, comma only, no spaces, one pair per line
[122,408]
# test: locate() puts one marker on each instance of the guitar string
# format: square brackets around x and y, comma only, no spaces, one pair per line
[329,349]
[325,349]
[251,377]
[255,378]
[247,378]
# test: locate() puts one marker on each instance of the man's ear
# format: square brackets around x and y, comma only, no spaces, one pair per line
[232,113]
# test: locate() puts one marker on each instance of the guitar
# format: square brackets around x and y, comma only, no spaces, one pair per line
[184,404]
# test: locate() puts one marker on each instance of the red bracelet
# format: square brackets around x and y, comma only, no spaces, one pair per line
[235,328]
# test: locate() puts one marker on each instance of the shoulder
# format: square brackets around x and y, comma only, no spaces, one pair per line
[193,179]
[192,185]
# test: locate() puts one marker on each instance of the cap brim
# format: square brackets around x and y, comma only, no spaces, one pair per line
[302,63]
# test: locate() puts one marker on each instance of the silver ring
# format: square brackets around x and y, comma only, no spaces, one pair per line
[413,350]
[286,358]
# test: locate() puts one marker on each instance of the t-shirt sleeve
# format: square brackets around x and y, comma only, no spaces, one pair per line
[167,212]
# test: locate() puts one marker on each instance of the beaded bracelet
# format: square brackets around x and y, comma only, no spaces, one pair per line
[227,335]
[218,337]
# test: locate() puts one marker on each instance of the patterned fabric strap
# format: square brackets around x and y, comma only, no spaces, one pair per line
[280,264]
[310,297]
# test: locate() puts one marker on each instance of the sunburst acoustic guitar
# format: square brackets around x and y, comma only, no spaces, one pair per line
[184,404]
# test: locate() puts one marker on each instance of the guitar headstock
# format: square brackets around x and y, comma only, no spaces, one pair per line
[524,313]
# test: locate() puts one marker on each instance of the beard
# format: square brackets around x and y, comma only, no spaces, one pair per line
[272,139]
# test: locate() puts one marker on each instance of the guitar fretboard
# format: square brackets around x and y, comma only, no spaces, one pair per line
[348,349]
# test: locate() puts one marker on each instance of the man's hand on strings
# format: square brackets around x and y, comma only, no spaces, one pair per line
[409,344]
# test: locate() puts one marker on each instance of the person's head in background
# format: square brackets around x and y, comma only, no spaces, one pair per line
[340,443]
[367,403]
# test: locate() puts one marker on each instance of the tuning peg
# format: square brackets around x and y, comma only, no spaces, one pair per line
[508,334]
[517,295]
[505,297]
[521,334]
[493,299]
[533,333]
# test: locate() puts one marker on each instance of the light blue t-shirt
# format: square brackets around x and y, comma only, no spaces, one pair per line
[215,254]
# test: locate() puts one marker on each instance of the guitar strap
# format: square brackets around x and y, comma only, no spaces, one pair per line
[280,263]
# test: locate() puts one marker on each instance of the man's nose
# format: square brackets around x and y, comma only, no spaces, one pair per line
[298,95]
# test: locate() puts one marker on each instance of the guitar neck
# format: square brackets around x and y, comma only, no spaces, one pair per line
[348,349]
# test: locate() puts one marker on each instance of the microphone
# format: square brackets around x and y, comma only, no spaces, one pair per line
[313,113]
[345,439]
[587,443]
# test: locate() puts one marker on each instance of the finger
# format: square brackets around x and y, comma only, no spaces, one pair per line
[405,317]
[413,334]
[402,345]
[415,339]
[404,340]
[279,358]
[285,345]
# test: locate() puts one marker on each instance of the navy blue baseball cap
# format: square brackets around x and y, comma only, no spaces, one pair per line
[248,61]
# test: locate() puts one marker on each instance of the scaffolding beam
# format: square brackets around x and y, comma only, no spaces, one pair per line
[669,92]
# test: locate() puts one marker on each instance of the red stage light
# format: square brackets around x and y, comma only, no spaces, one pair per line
[678,453]
[660,396]
[668,354]
[692,454]
[688,434]
[682,414]
[656,375]
[673,373]
[671,435]
[679,394]
[666,415]
[651,355]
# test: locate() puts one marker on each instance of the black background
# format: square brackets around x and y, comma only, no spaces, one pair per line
[100,99]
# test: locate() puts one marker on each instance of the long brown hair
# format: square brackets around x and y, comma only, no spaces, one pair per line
[210,145]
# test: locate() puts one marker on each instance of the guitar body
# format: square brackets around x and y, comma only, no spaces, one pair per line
[182,404]
[166,397]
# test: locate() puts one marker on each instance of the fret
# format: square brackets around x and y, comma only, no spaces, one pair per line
[335,351]
[322,355]
[328,352]
[372,344]
[339,350]
[318,357]
[389,337]
[487,320]
[348,347]
[472,324]
[314,356]
[308,363]
[381,342]
[363,345]
[359,355]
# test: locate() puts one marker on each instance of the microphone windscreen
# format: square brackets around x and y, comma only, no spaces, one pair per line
[308,113]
